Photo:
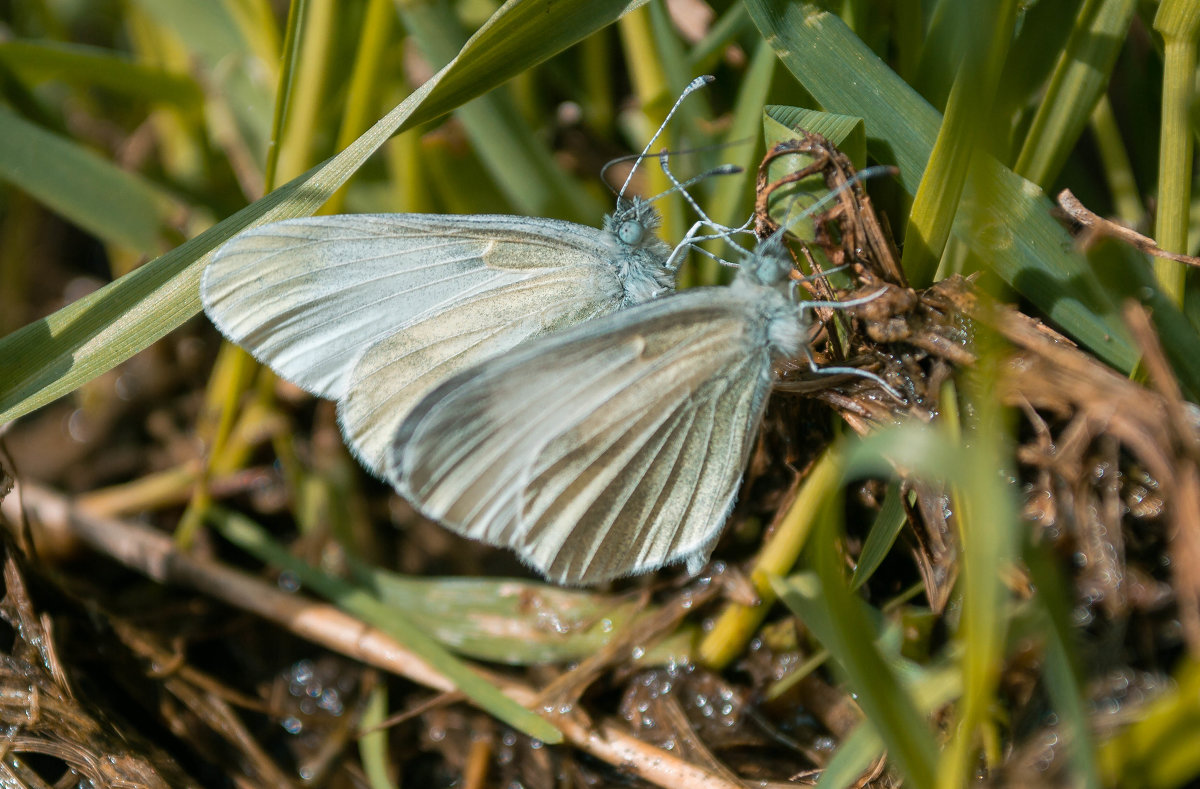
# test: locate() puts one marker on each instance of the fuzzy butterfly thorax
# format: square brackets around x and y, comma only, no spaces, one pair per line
[638,253]
[765,278]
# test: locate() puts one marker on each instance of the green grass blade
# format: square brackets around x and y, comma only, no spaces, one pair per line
[250,537]
[881,537]
[1116,165]
[901,125]
[847,132]
[78,64]
[306,99]
[1079,80]
[208,29]
[672,58]
[1042,35]
[518,36]
[986,518]
[116,205]
[504,620]
[706,54]
[737,623]
[362,94]
[521,165]
[213,34]
[1180,338]
[1178,22]
[987,526]
[840,621]
[932,689]
[908,34]
[921,450]
[934,71]
[1010,225]
[963,132]
[853,758]
[285,89]
[1064,678]
[1158,750]
[255,20]
[596,100]
[373,746]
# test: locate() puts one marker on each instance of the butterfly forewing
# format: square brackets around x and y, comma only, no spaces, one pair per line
[308,296]
[591,452]
[375,310]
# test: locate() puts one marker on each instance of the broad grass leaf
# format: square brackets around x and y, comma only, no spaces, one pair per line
[115,205]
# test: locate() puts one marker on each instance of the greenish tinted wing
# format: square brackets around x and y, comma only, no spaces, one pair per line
[392,375]
[308,296]
[612,448]
[658,492]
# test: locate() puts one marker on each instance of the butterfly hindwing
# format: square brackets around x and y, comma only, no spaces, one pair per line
[389,378]
[609,449]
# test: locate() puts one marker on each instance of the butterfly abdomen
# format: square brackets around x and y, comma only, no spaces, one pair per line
[786,333]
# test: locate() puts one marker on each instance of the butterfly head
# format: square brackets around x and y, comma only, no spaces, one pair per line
[637,253]
[633,222]
[769,264]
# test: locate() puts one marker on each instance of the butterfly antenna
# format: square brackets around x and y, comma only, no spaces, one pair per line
[812,363]
[819,370]
[691,239]
[823,274]
[692,87]
[835,305]
[709,148]
[638,157]
[682,188]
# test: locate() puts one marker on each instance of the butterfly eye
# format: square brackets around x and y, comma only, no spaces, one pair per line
[769,270]
[631,231]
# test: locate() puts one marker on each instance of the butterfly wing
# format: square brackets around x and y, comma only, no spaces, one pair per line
[308,296]
[609,449]
[394,373]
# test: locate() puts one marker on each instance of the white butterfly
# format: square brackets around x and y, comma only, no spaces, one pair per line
[614,447]
[373,310]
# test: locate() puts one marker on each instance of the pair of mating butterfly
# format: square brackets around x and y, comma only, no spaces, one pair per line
[518,379]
